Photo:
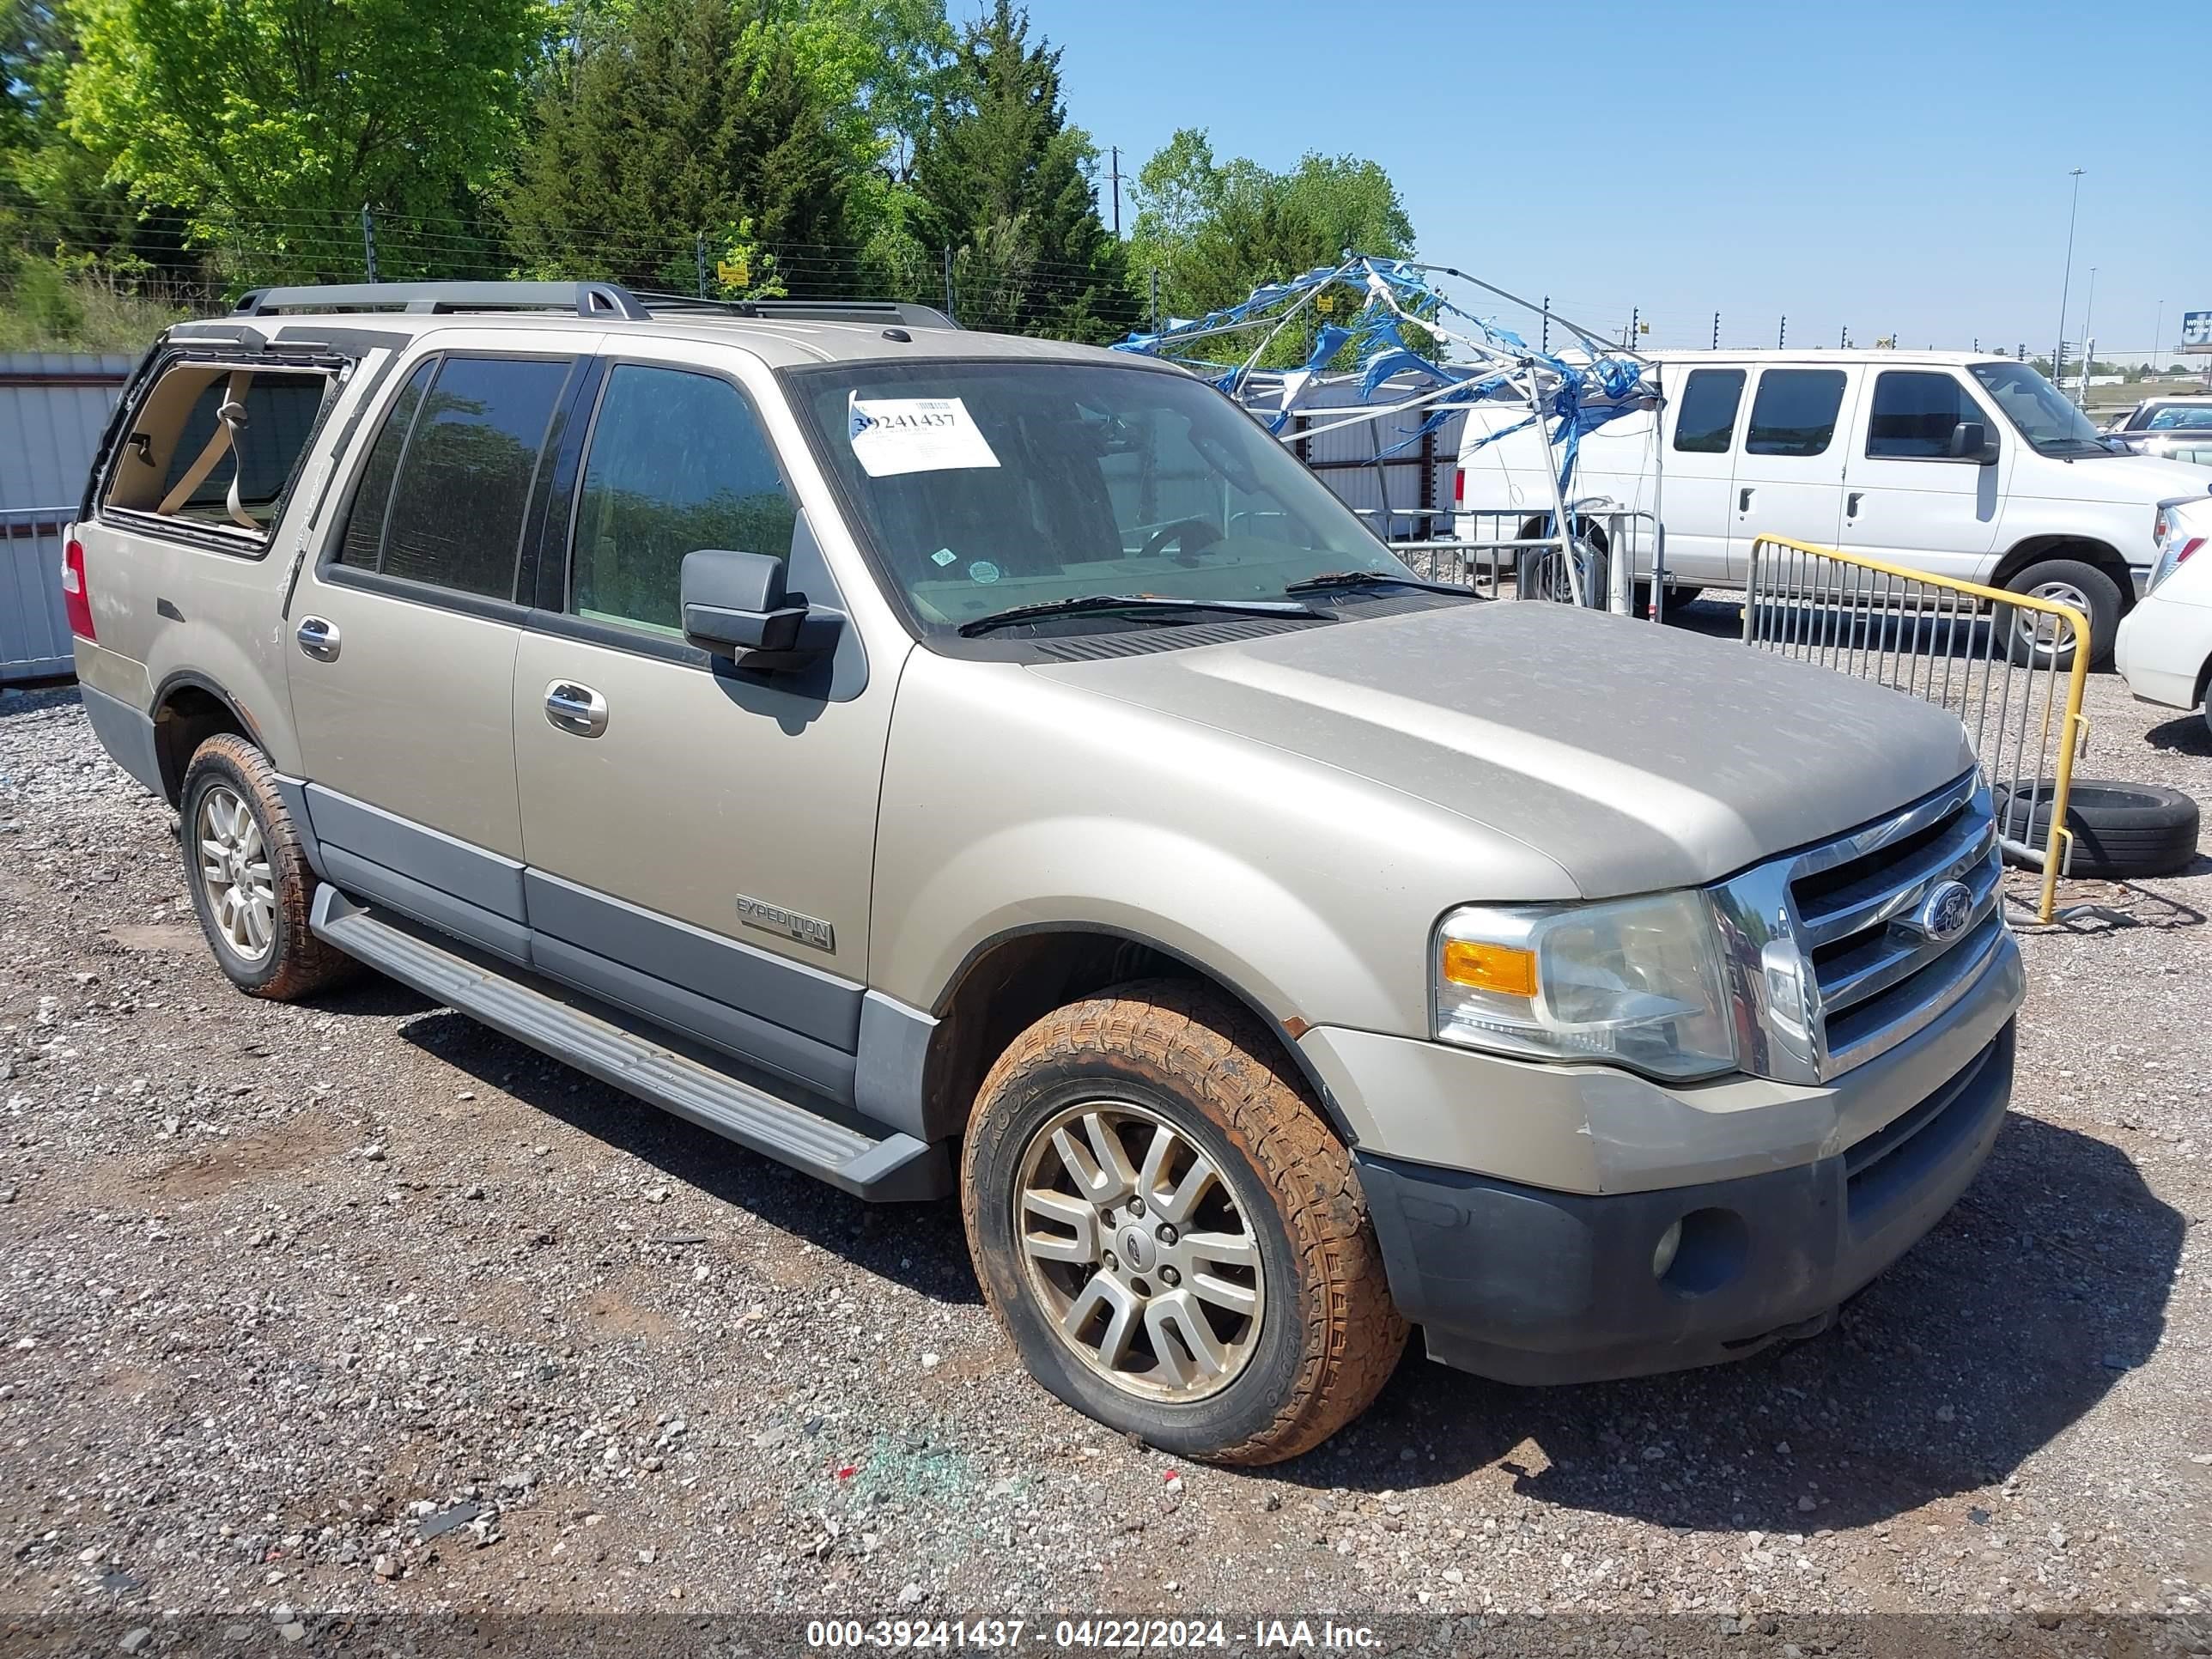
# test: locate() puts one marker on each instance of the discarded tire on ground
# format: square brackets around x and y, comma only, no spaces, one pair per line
[2118,829]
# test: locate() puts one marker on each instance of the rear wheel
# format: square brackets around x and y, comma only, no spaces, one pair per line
[249,879]
[2036,639]
[1172,1236]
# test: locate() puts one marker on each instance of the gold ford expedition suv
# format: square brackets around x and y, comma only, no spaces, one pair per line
[950,763]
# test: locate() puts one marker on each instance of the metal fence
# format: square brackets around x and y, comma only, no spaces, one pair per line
[1955,644]
[1488,548]
[53,407]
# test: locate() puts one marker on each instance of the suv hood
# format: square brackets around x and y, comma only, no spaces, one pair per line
[1634,758]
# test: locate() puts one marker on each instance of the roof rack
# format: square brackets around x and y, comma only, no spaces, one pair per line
[584,299]
[602,300]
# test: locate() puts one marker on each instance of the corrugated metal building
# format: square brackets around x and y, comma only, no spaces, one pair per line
[53,407]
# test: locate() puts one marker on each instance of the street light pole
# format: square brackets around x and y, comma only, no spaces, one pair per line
[2066,282]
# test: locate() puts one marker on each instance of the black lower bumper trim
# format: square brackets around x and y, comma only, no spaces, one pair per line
[1528,1286]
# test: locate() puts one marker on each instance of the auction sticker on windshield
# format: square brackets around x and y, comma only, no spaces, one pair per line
[891,435]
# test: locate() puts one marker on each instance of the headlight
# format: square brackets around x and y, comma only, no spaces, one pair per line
[1635,982]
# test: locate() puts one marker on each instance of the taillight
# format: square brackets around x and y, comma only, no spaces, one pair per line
[74,598]
[1459,486]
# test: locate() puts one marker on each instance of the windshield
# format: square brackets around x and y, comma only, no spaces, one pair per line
[988,485]
[2181,417]
[2039,411]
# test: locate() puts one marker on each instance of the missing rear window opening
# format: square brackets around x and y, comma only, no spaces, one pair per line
[216,446]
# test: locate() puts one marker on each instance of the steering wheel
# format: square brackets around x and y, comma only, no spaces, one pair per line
[1194,534]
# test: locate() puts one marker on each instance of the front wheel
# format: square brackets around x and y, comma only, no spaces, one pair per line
[2036,639]
[1169,1232]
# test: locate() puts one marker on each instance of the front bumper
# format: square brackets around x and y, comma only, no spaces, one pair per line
[1530,1285]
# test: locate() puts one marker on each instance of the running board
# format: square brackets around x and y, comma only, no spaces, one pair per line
[897,1167]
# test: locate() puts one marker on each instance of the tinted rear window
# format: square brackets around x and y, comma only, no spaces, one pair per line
[1709,400]
[1795,412]
[464,481]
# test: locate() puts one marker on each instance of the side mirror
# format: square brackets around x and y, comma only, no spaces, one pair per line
[1971,441]
[735,607]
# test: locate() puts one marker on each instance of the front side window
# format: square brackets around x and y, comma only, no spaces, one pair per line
[1795,412]
[678,463]
[986,485]
[1707,422]
[1915,412]
[463,480]
[2038,411]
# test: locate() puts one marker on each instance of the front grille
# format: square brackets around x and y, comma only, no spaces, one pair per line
[1876,970]
[1876,1168]
[1830,946]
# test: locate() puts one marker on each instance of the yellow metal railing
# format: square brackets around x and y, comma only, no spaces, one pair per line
[2011,666]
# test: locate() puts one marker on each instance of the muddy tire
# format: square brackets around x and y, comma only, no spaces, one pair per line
[1173,1236]
[249,879]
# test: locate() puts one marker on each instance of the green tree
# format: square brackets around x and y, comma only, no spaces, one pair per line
[1216,231]
[273,121]
[679,121]
[1006,183]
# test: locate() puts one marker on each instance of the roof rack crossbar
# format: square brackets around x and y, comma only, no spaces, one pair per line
[600,300]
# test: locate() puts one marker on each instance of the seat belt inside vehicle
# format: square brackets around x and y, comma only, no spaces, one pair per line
[228,419]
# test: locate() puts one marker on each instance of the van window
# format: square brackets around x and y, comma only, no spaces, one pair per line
[1709,400]
[1914,411]
[217,446]
[678,462]
[464,477]
[1795,412]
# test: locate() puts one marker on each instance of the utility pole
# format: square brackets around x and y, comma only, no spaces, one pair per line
[1116,176]
[699,253]
[1716,331]
[1844,341]
[2089,305]
[2156,329]
[2066,281]
[1547,322]
[368,240]
[1782,335]
[948,281]
[1156,299]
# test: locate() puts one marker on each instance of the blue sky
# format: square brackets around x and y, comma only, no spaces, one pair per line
[1890,168]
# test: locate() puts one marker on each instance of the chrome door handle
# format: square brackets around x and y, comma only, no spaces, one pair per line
[319,639]
[576,709]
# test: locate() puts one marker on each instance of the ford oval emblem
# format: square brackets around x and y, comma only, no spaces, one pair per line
[1944,913]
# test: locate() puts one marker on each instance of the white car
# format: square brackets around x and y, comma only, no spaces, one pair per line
[1966,466]
[2165,646]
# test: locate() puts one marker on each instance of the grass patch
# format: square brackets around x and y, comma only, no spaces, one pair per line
[48,307]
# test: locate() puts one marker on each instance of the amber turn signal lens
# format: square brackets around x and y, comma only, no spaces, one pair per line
[1491,967]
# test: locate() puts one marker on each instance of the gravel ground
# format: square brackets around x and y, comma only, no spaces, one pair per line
[358,1305]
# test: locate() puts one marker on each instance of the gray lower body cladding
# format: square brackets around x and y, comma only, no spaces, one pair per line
[1526,1286]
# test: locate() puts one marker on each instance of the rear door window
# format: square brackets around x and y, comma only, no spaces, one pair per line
[678,462]
[461,485]
[1711,397]
[1794,411]
[1914,413]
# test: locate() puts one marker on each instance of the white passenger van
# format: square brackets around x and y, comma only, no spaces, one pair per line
[1962,465]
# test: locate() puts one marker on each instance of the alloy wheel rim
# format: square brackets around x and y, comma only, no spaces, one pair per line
[2042,630]
[1142,1255]
[235,875]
